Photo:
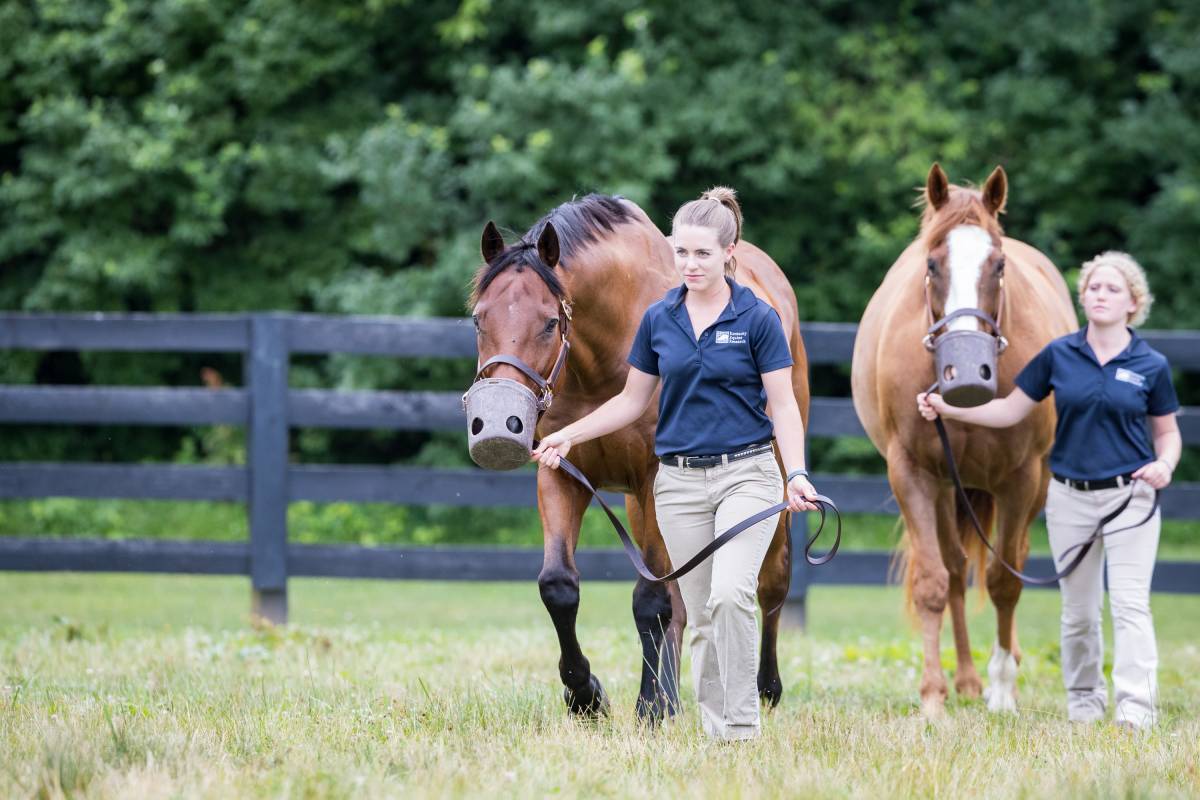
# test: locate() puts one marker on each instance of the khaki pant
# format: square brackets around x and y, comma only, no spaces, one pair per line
[1071,516]
[694,506]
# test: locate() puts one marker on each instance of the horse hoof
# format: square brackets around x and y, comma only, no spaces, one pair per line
[771,692]
[970,689]
[1001,693]
[933,708]
[999,701]
[589,701]
[652,711]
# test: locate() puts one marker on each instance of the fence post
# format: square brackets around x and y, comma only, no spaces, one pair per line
[267,455]
[795,608]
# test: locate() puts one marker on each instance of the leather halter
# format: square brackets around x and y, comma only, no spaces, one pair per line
[994,324]
[545,385]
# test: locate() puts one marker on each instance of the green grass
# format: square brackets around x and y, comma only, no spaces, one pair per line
[156,686]
[382,524]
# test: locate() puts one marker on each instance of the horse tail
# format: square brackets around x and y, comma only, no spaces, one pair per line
[899,570]
[977,554]
[984,505]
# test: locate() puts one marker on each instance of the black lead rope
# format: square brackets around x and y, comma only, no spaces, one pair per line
[1082,547]
[822,502]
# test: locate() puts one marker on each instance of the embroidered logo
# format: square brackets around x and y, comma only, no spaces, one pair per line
[731,337]
[1129,376]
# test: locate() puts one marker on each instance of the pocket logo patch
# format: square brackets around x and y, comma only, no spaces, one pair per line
[1129,376]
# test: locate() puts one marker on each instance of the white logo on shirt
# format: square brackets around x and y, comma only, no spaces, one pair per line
[1129,376]
[731,337]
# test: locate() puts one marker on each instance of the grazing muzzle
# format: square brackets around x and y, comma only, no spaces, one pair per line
[966,367]
[966,360]
[501,417]
[502,413]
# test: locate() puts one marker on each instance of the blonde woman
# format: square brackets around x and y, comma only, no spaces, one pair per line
[720,354]
[1107,382]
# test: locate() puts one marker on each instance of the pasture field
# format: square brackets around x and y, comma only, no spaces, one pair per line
[157,686]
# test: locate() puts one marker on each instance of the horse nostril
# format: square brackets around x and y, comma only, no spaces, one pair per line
[985,372]
[476,426]
[514,425]
[949,373]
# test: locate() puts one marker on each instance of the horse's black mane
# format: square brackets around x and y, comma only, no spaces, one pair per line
[577,223]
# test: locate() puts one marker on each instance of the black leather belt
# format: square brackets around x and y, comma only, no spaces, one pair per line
[1114,482]
[697,462]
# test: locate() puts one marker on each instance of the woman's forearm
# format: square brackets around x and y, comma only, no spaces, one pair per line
[789,433]
[1168,448]
[1003,412]
[616,413]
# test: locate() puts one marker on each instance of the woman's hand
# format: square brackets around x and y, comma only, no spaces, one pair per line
[800,494]
[551,450]
[1157,473]
[931,405]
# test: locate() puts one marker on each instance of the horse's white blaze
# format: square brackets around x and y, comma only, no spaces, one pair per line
[969,246]
[1001,693]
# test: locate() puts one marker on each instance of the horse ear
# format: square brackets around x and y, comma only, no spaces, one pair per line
[937,187]
[547,246]
[995,191]
[492,244]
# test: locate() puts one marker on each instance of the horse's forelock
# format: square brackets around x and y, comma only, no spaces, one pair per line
[520,255]
[965,207]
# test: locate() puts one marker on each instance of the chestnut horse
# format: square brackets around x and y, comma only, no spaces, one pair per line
[960,259]
[591,267]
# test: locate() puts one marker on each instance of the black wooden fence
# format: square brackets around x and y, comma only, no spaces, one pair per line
[268,408]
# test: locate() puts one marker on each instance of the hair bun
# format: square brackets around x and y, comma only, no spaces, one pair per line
[728,198]
[722,194]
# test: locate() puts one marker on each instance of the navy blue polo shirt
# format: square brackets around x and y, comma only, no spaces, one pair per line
[1102,410]
[712,399]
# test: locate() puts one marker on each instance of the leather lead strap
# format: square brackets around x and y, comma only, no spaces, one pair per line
[716,544]
[1082,547]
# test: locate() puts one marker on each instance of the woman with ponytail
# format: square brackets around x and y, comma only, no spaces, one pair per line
[721,355]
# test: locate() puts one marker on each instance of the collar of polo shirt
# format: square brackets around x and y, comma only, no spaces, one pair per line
[740,297]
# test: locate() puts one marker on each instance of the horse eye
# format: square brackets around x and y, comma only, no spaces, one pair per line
[475,319]
[1000,266]
[550,325]
[932,264]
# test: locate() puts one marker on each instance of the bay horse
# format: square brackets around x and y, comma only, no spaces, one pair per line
[960,259]
[592,266]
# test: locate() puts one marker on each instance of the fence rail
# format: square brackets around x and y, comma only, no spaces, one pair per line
[268,408]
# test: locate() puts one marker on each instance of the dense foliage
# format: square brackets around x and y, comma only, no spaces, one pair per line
[220,155]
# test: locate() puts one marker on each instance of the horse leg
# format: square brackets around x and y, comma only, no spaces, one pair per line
[658,615]
[561,504]
[1024,494]
[952,528]
[916,493]
[773,583]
